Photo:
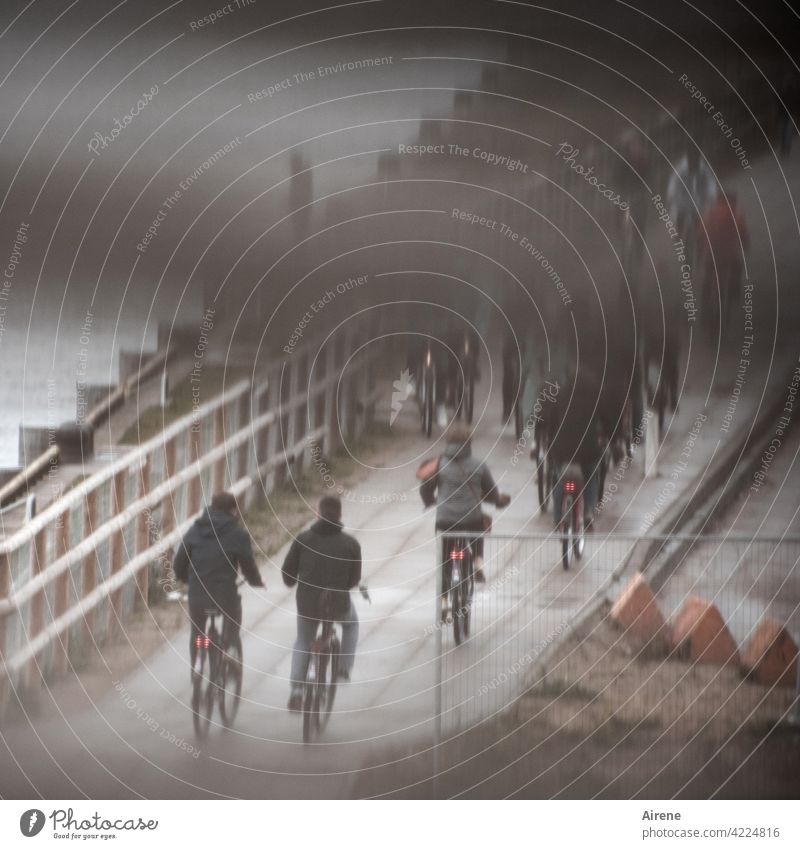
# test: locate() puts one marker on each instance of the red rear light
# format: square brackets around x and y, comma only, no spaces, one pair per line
[569,486]
[456,554]
[206,642]
[198,641]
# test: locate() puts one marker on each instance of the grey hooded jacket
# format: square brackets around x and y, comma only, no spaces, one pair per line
[459,486]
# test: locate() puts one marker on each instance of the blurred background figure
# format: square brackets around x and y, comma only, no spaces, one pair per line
[691,190]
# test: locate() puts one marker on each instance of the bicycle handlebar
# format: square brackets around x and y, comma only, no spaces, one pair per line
[183,595]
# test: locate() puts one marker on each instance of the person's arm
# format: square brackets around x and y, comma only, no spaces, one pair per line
[355,565]
[291,564]
[488,486]
[743,232]
[180,565]
[246,561]
[428,489]
[489,489]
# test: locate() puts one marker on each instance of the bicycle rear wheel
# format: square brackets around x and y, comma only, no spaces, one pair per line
[310,711]
[329,686]
[567,537]
[468,391]
[203,699]
[542,479]
[428,401]
[456,605]
[466,598]
[230,686]
[579,532]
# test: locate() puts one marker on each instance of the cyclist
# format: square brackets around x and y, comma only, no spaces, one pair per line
[322,558]
[458,483]
[579,438]
[718,237]
[691,190]
[209,558]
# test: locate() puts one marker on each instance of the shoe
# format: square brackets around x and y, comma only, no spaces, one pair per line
[480,578]
[295,703]
[343,676]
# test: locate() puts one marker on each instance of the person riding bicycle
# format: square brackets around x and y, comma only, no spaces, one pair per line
[691,190]
[458,484]
[719,235]
[323,558]
[579,439]
[209,558]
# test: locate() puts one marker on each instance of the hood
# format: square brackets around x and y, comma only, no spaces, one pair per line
[326,528]
[457,451]
[215,523]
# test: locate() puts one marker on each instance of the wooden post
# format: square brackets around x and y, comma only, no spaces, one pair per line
[5,571]
[5,574]
[89,572]
[116,552]
[61,601]
[331,442]
[218,473]
[143,524]
[271,436]
[168,510]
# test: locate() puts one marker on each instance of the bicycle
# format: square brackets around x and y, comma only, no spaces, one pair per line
[426,381]
[217,670]
[571,527]
[319,688]
[458,583]
[465,380]
[539,455]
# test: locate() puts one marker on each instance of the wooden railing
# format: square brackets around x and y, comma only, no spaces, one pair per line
[72,575]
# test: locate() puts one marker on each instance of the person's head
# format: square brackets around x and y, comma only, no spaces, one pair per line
[330,508]
[458,434]
[224,502]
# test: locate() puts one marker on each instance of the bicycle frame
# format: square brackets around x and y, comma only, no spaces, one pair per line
[319,689]
[571,527]
[458,582]
[571,505]
[321,651]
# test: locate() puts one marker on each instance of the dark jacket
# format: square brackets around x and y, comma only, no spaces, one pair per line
[211,555]
[323,558]
[584,409]
[459,487]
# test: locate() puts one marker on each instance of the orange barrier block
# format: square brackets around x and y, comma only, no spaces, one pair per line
[771,656]
[699,634]
[636,611]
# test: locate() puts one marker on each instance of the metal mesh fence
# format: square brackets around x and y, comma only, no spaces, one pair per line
[652,667]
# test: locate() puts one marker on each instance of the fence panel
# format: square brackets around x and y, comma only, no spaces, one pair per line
[607,689]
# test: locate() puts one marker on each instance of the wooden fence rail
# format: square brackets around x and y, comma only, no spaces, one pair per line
[70,577]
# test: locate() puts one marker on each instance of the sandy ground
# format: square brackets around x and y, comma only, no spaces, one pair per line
[608,722]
